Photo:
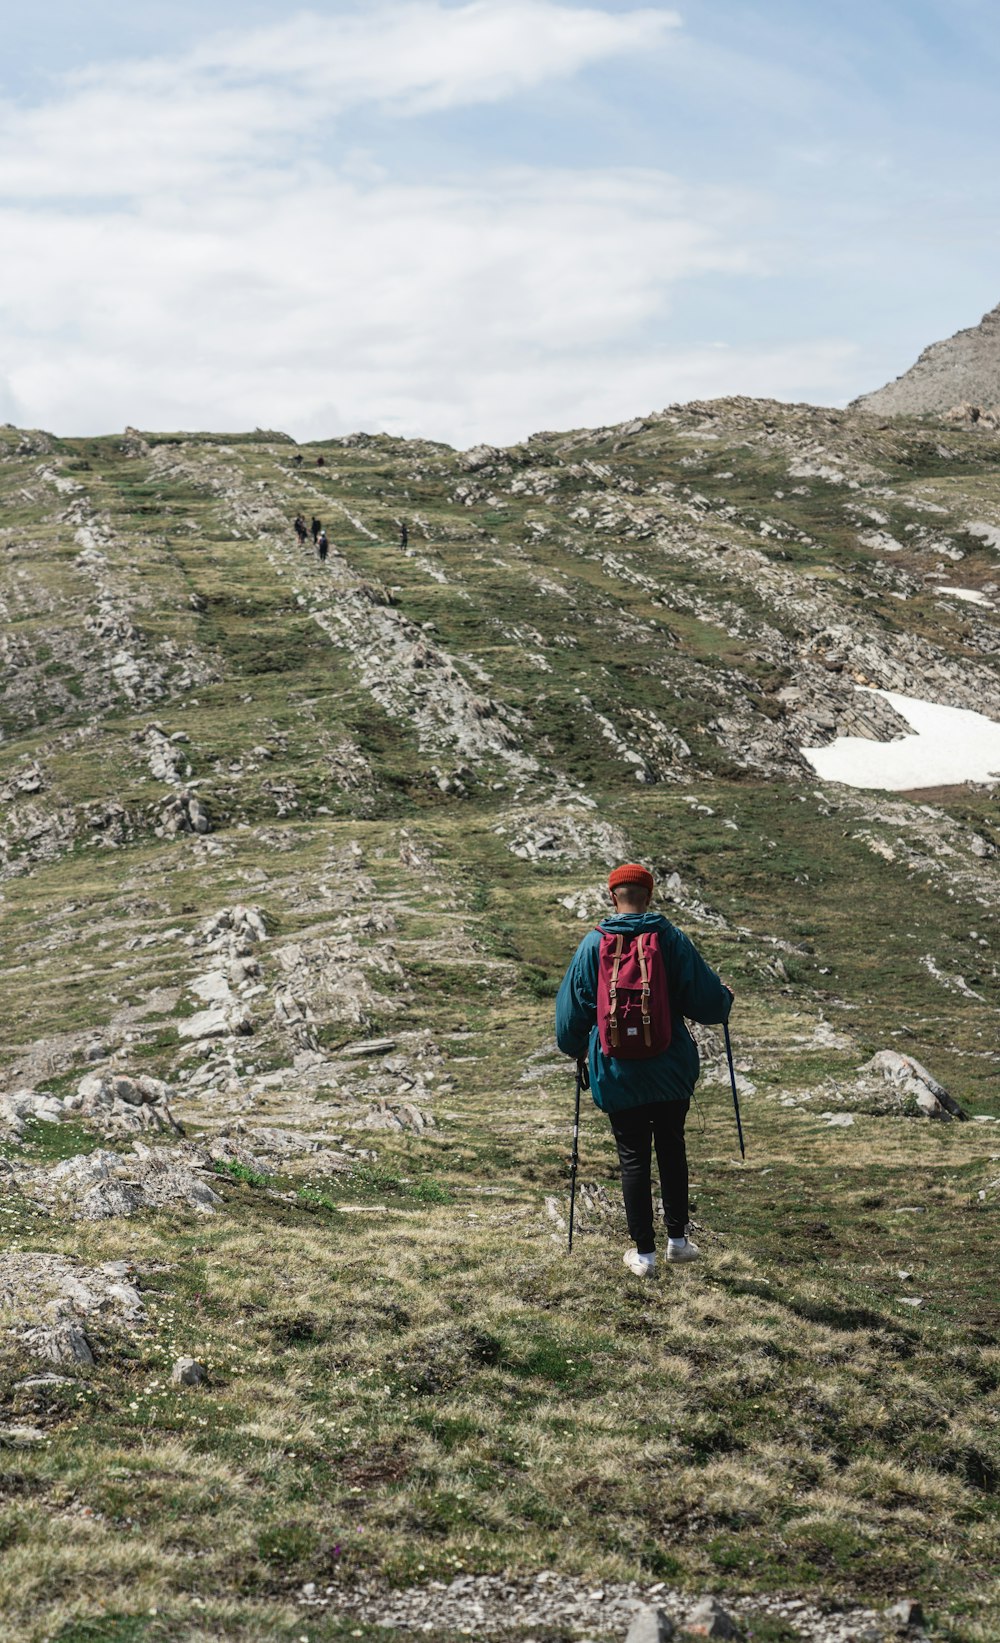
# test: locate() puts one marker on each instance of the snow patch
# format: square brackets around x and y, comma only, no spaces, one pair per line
[971,595]
[950,745]
[989,534]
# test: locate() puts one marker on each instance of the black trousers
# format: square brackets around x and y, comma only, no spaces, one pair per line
[636,1130]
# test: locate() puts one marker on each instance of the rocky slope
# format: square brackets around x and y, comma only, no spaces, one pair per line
[292,856]
[963,370]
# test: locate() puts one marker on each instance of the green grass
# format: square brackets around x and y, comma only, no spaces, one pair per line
[408,1377]
[48,1143]
[235,1171]
[799,1415]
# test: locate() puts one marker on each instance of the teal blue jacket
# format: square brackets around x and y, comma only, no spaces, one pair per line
[695,991]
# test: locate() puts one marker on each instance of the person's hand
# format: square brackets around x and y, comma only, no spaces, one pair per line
[729,990]
[583,1068]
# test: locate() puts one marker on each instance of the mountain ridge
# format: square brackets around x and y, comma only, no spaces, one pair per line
[960,370]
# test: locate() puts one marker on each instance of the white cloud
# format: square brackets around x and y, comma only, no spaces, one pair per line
[178,254]
[426,55]
[8,403]
[332,300]
[255,97]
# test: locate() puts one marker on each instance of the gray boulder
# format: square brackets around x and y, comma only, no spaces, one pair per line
[709,1619]
[478,456]
[60,1343]
[188,1372]
[119,1102]
[109,1199]
[907,1614]
[914,1080]
[369,1046]
[650,1626]
[198,816]
[183,813]
[221,1021]
[18,1109]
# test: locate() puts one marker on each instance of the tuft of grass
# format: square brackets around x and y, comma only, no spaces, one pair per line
[313,1199]
[430,1192]
[233,1170]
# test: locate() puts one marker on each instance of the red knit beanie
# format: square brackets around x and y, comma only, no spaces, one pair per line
[631,873]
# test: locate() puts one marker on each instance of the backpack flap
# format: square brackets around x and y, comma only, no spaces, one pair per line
[633,1006]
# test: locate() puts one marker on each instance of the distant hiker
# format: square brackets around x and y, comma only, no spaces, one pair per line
[300,528]
[404,535]
[323,546]
[622,1004]
[321,462]
[297,459]
[315,527]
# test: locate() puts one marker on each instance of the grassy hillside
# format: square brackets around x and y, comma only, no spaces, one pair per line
[312,845]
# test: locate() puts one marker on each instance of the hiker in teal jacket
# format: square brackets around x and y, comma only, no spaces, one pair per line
[646,1101]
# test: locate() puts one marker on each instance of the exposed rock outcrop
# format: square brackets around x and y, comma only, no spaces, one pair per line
[47,1301]
[963,369]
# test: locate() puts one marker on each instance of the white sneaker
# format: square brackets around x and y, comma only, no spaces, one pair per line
[644,1266]
[682,1249]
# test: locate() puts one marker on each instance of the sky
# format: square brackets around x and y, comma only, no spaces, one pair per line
[474,219]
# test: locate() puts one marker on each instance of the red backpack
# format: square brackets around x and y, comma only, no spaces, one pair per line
[633,1006]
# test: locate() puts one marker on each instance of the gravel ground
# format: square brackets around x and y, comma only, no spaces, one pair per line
[550,1604]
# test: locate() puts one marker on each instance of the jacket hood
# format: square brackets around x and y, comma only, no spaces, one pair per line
[634,923]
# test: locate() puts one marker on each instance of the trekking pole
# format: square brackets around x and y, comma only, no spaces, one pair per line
[576,1149]
[732,1080]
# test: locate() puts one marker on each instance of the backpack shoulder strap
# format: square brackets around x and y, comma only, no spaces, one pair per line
[644,973]
[613,990]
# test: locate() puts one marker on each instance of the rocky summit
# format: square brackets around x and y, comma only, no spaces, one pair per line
[293,854]
[961,374]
